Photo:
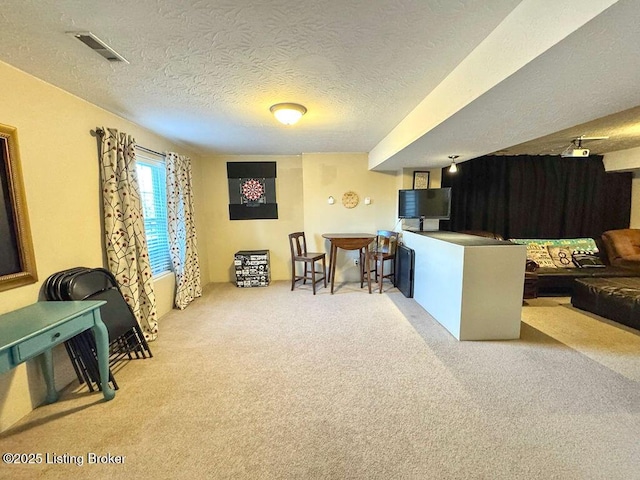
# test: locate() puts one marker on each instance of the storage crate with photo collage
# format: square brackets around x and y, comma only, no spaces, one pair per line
[252,268]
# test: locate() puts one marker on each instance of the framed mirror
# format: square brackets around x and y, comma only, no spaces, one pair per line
[17,261]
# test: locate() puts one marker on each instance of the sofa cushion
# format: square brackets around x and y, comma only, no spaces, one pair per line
[611,271]
[570,272]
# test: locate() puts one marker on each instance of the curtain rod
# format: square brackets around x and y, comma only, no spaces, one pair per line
[148,150]
[100,132]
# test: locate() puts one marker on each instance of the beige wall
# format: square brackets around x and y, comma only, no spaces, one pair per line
[406,181]
[303,186]
[635,201]
[628,161]
[222,237]
[333,174]
[60,173]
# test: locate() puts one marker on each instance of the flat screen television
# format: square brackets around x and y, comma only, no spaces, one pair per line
[428,203]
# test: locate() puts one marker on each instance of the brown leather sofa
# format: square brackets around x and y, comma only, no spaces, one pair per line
[617,299]
[617,251]
[623,247]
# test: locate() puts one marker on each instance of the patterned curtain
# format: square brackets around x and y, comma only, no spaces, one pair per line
[182,230]
[125,240]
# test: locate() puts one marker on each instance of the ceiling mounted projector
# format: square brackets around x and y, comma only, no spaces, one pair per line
[575,152]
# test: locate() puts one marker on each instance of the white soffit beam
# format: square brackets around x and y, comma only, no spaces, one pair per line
[532,28]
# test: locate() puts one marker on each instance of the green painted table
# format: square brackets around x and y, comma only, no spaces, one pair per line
[34,330]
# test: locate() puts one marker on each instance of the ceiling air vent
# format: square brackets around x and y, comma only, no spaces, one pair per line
[94,43]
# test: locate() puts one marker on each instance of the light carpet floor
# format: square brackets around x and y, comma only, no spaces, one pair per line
[265,383]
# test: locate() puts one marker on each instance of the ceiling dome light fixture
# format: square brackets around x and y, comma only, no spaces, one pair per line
[453,168]
[288,113]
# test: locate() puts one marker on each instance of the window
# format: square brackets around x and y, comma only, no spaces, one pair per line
[153,195]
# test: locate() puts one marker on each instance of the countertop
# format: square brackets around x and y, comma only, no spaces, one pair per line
[463,239]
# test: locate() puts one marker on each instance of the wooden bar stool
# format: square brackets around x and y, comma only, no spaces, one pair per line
[298,246]
[384,250]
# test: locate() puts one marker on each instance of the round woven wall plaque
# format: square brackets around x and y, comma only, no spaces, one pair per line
[350,199]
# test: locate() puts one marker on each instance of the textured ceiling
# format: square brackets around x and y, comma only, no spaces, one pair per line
[622,130]
[205,72]
[562,64]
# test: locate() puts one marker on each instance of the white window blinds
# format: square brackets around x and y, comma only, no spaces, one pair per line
[153,195]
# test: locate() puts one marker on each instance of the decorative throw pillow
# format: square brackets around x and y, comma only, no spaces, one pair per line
[540,255]
[587,259]
[561,257]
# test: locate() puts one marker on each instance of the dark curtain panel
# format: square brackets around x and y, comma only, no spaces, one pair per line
[538,197]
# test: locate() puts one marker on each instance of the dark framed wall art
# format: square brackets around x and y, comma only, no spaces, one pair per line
[17,261]
[252,190]
[420,180]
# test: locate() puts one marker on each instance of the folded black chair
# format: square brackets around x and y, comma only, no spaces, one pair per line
[79,348]
[126,339]
[125,335]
